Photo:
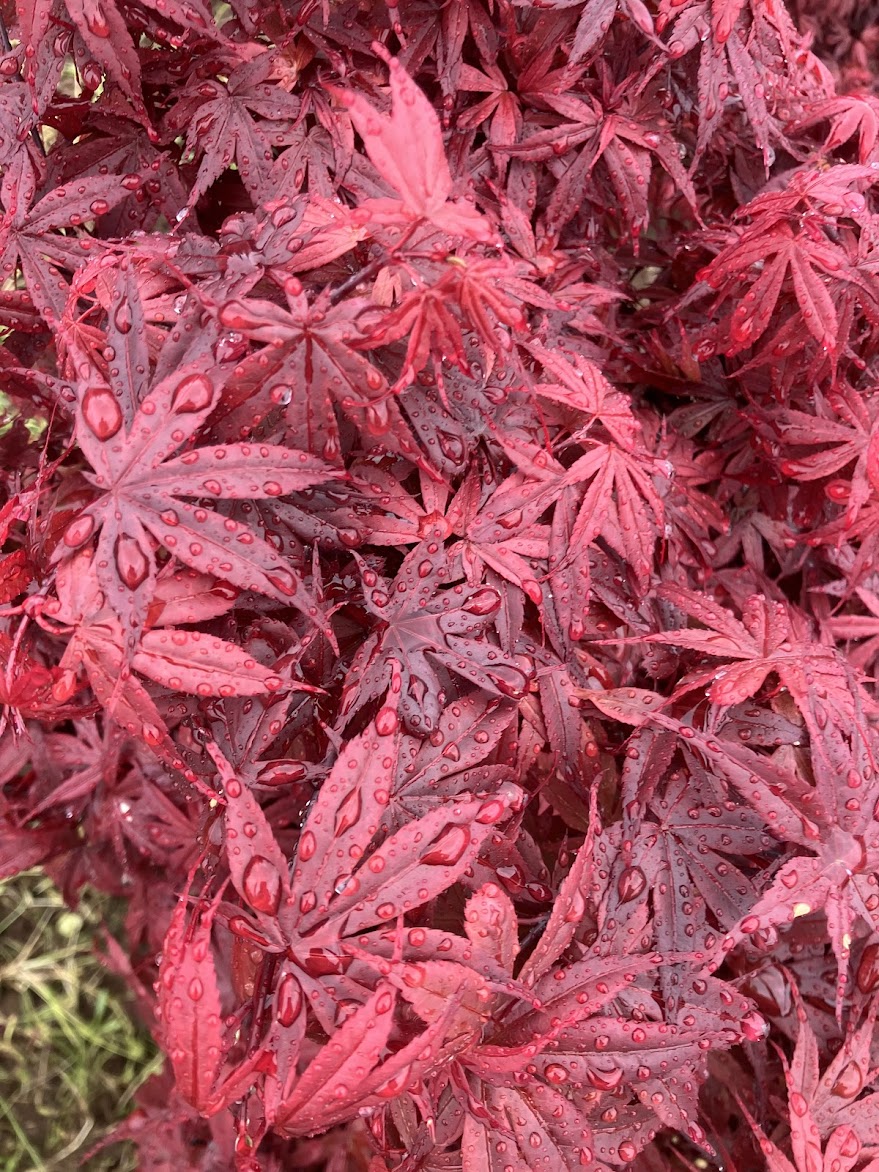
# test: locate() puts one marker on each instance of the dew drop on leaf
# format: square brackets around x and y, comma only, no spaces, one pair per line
[867,975]
[849,1082]
[122,317]
[414,975]
[131,562]
[850,1145]
[96,21]
[288,1000]
[509,680]
[576,908]
[448,848]
[101,412]
[605,1080]
[631,884]
[483,602]
[798,1104]
[261,885]
[490,812]
[79,531]
[193,393]
[396,1085]
[452,447]
[754,1027]
[348,812]
[283,580]
[307,846]
[386,722]
[242,928]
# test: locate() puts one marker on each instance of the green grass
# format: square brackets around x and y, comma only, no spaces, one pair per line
[72,1054]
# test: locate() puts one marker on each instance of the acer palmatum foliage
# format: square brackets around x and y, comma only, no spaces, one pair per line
[440,590]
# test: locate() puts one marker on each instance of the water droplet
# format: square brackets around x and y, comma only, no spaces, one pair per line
[491,812]
[151,734]
[79,531]
[242,927]
[96,21]
[798,1104]
[509,680]
[320,962]
[452,447]
[448,848]
[101,412]
[193,393]
[307,846]
[283,580]
[849,1082]
[850,1145]
[576,909]
[261,885]
[414,975]
[348,812]
[631,884]
[288,1000]
[384,1002]
[282,395]
[131,562]
[386,722]
[532,589]
[605,1080]
[484,602]
[754,1028]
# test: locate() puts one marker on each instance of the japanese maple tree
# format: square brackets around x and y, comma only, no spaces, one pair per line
[439,583]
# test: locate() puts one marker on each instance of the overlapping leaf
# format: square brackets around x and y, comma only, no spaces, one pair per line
[129,436]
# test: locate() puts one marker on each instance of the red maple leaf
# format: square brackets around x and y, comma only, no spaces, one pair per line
[406,148]
[129,433]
